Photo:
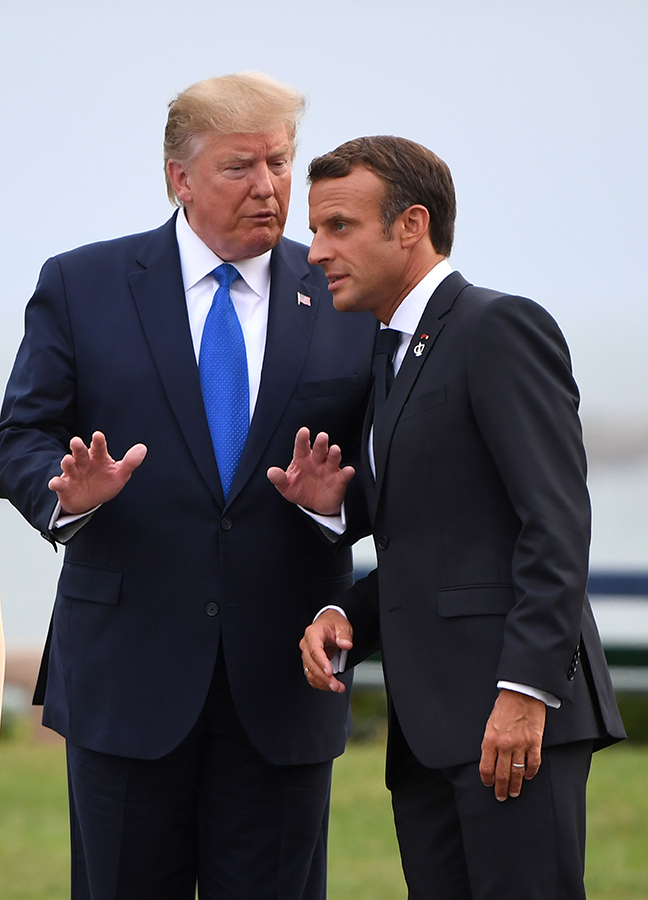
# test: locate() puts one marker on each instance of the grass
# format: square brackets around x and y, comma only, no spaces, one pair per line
[364,861]
[34,844]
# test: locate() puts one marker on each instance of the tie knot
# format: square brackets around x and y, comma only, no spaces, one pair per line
[387,341]
[226,273]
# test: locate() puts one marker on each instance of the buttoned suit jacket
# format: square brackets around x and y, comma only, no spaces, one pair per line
[481,520]
[166,573]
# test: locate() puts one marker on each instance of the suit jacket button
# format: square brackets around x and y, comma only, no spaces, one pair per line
[383,542]
[226,523]
[212,609]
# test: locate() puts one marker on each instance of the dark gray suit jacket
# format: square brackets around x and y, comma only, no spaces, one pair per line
[481,520]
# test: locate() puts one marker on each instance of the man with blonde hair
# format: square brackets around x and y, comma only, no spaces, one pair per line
[194,351]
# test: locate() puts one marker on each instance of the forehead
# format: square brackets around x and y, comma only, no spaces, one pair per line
[360,192]
[244,144]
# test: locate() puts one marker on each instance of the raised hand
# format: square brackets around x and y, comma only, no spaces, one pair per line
[90,476]
[314,478]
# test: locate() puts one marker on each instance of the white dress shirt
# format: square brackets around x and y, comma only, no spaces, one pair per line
[250,295]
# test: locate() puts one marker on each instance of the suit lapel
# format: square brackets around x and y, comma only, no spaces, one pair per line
[160,298]
[420,348]
[290,324]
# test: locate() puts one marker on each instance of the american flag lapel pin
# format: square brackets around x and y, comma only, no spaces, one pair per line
[420,347]
[303,299]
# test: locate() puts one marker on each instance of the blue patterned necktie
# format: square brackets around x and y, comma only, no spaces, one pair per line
[224,377]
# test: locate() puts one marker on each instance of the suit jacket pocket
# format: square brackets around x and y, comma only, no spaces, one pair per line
[80,581]
[328,387]
[476,600]
[425,401]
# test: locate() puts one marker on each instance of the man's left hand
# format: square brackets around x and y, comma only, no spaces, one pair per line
[511,749]
[315,478]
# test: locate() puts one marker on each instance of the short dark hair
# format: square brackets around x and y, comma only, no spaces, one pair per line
[412,175]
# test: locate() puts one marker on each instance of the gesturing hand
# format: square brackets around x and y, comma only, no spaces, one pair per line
[314,478]
[90,476]
[512,743]
[329,633]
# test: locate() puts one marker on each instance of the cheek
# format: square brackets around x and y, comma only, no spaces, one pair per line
[282,193]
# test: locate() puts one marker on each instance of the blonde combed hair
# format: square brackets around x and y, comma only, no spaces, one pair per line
[246,102]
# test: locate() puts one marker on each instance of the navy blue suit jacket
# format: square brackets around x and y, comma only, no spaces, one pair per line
[166,573]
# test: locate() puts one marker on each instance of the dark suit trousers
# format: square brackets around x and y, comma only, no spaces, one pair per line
[458,842]
[213,812]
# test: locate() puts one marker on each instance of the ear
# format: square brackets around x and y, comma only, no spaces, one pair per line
[414,224]
[179,177]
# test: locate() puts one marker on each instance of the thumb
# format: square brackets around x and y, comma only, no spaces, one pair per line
[278,477]
[134,457]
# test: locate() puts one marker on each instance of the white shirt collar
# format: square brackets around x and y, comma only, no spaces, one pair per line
[197,261]
[408,313]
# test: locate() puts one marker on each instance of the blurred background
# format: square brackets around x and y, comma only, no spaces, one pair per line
[540,111]
[538,108]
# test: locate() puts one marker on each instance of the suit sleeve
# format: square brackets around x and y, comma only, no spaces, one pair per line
[37,418]
[525,401]
[360,604]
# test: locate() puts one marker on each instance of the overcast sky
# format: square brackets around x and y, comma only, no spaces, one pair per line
[539,108]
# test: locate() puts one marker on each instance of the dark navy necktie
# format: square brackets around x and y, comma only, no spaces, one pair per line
[224,377]
[387,341]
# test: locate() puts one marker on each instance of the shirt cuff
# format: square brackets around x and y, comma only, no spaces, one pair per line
[332,526]
[64,527]
[547,698]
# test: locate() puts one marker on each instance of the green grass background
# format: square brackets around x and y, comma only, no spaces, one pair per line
[363,854]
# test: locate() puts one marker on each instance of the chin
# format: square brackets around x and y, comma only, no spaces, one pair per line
[261,244]
[342,304]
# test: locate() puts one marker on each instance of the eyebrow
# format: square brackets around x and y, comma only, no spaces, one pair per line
[336,216]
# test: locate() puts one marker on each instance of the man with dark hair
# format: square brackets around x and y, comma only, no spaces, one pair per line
[208,341]
[475,473]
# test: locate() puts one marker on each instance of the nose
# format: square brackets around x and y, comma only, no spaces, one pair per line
[263,185]
[318,252]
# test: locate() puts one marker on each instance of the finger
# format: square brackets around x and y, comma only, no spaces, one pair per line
[134,457]
[347,474]
[79,452]
[518,767]
[487,766]
[56,484]
[533,761]
[98,445]
[334,455]
[321,447]
[315,674]
[69,465]
[302,443]
[317,657]
[503,776]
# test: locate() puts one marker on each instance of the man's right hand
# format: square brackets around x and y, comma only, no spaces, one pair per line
[314,479]
[90,476]
[329,633]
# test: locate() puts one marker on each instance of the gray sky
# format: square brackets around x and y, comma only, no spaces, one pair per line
[539,108]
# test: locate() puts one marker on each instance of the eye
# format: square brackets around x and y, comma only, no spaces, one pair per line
[236,170]
[340,226]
